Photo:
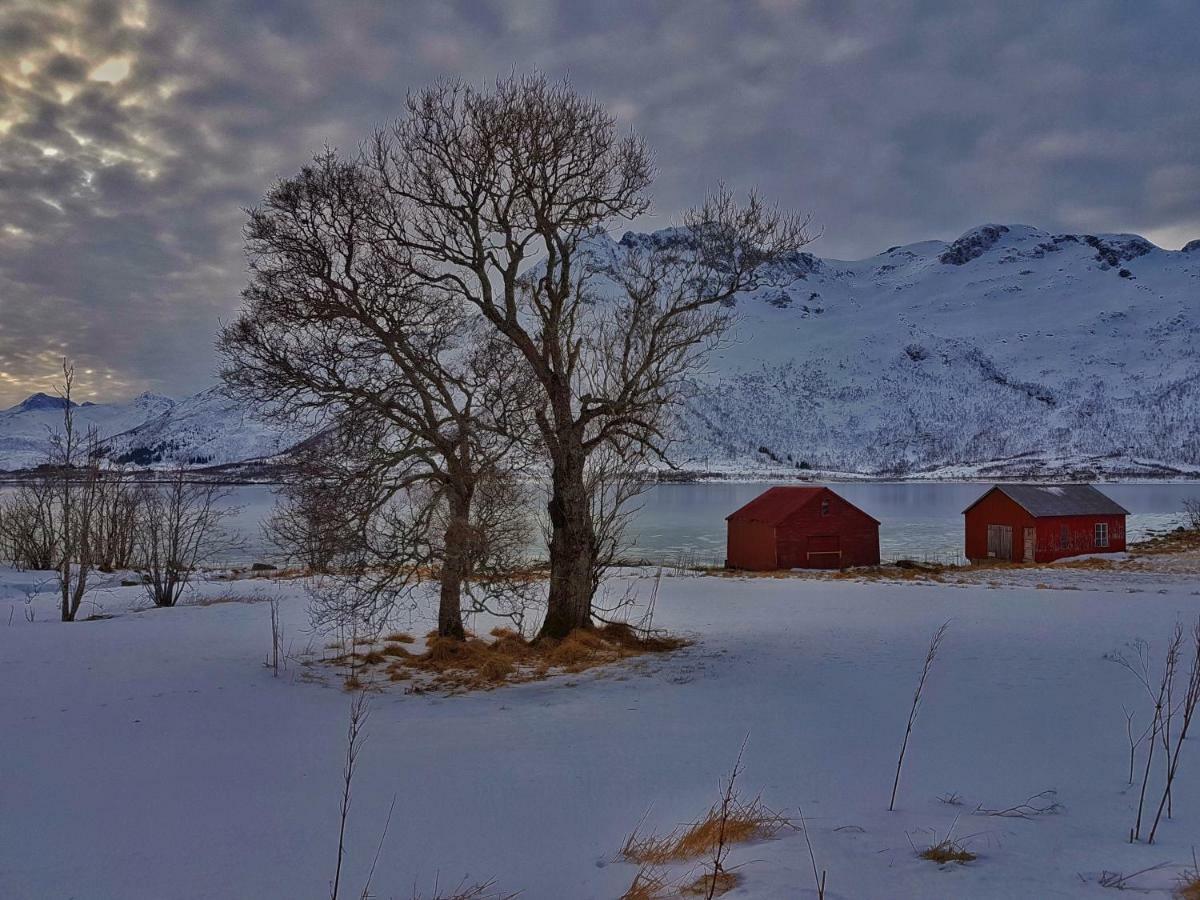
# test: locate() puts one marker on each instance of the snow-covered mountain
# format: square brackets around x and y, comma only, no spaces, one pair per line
[25,429]
[206,429]
[1007,351]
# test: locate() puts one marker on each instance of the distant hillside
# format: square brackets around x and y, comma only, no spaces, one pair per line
[25,429]
[1009,351]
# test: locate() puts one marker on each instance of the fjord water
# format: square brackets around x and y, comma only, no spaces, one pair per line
[686,522]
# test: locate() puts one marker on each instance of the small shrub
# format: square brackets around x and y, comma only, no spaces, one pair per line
[948,851]
[744,822]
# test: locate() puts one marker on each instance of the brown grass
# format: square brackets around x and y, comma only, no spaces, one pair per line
[1179,540]
[648,884]
[745,822]
[399,637]
[704,887]
[947,851]
[507,658]
[1188,887]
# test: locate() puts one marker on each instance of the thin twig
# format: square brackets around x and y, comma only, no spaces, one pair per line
[912,714]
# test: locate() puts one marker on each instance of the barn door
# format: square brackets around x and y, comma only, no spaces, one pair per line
[1000,541]
[824,551]
[1030,542]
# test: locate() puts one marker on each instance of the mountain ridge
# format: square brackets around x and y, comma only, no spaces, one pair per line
[1008,350]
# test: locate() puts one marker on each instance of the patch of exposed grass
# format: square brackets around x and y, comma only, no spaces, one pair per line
[648,884]
[1177,541]
[217,599]
[398,637]
[507,658]
[1188,887]
[744,822]
[710,885]
[947,851]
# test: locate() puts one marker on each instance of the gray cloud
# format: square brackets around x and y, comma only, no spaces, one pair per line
[132,134]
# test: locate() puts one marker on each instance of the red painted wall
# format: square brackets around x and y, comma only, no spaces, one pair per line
[1081,536]
[997,509]
[750,545]
[804,539]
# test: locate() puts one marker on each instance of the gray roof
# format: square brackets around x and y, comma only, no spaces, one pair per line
[1041,500]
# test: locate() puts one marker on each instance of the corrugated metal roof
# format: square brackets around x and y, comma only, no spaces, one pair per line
[775,504]
[1041,500]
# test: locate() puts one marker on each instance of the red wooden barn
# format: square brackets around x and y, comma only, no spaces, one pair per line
[800,528]
[1040,523]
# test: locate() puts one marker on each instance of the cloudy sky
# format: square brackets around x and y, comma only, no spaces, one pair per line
[133,132]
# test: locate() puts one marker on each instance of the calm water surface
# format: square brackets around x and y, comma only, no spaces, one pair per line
[919,520]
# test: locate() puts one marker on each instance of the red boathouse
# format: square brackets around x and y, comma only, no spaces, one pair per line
[800,528]
[1042,523]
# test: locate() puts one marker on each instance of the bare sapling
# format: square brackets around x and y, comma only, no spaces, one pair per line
[818,880]
[273,661]
[1188,709]
[930,655]
[355,740]
[1158,690]
[359,712]
[719,879]
[75,461]
[1134,743]
[184,526]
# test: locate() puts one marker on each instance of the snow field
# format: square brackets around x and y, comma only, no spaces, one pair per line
[153,755]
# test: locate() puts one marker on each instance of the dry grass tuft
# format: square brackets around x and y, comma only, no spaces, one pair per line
[1179,540]
[648,884]
[947,851]
[744,822]
[398,637]
[1188,887]
[508,658]
[704,886]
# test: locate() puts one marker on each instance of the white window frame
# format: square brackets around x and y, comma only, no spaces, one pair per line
[1100,534]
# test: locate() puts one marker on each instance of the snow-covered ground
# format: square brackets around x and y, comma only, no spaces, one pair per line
[152,755]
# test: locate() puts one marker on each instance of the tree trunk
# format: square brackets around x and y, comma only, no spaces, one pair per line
[572,548]
[454,568]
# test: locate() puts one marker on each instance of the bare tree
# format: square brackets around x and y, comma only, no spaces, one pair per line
[311,523]
[420,404]
[495,196]
[29,524]
[184,525]
[75,462]
[1191,511]
[118,517]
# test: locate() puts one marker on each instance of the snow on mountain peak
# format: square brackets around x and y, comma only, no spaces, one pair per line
[1009,346]
[38,401]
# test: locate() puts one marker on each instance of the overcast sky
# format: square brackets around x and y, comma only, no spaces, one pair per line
[132,133]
